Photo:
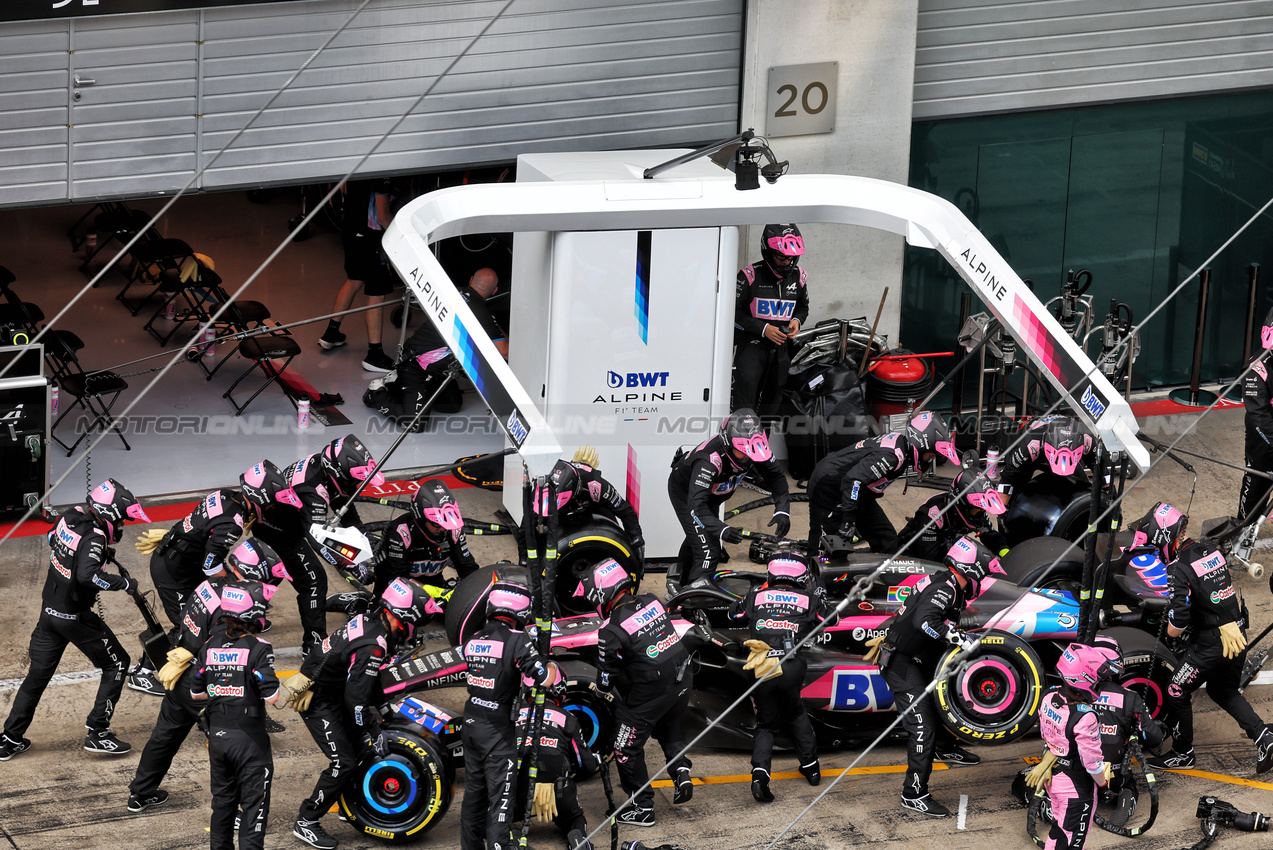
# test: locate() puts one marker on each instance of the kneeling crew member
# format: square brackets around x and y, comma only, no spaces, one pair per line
[779,614]
[419,545]
[580,490]
[925,626]
[936,528]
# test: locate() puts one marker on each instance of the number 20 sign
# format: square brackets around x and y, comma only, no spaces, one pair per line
[801,99]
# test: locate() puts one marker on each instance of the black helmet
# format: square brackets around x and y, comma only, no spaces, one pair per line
[433,502]
[565,482]
[247,601]
[1065,441]
[264,484]
[409,602]
[781,240]
[509,600]
[1163,528]
[742,431]
[929,433]
[256,560]
[347,462]
[982,498]
[788,567]
[603,583]
[970,559]
[112,504]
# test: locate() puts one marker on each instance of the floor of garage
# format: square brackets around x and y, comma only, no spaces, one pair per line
[185,436]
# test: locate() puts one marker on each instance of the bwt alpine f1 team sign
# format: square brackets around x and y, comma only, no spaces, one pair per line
[26,10]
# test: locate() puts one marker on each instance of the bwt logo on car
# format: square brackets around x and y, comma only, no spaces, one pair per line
[1092,403]
[614,380]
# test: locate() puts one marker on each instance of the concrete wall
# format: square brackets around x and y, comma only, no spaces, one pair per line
[874,42]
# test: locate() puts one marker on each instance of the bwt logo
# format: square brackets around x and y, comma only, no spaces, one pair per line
[516,429]
[1092,403]
[636,379]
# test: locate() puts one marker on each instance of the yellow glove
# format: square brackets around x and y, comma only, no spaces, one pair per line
[759,662]
[544,805]
[587,455]
[1107,770]
[1041,774]
[873,649]
[178,660]
[1232,639]
[148,541]
[299,694]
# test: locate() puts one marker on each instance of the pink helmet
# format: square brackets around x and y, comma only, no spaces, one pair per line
[604,582]
[1079,667]
[982,497]
[263,485]
[433,502]
[247,601]
[1064,443]
[742,431]
[113,504]
[1162,528]
[347,462]
[929,433]
[969,558]
[256,560]
[787,567]
[509,600]
[564,481]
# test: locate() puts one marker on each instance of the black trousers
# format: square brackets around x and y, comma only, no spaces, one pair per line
[309,580]
[174,582]
[1204,663]
[570,817]
[1254,486]
[907,680]
[639,719]
[242,772]
[701,551]
[872,523]
[49,639]
[326,722]
[177,714]
[402,399]
[778,708]
[760,372]
[490,772]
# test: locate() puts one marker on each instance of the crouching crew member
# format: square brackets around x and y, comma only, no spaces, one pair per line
[337,690]
[236,677]
[637,639]
[1122,714]
[499,656]
[946,517]
[564,760]
[924,628]
[80,544]
[1202,597]
[779,614]
[419,545]
[580,490]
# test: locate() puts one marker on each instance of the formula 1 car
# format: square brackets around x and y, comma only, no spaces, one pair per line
[994,700]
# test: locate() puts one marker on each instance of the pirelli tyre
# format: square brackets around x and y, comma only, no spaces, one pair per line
[595,716]
[1147,666]
[995,698]
[401,797]
[583,548]
[466,609]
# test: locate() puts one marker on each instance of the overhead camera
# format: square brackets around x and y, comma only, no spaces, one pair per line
[742,154]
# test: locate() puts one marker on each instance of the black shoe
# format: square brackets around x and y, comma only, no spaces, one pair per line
[812,772]
[760,785]
[331,338]
[272,726]
[377,361]
[145,681]
[925,805]
[10,748]
[955,754]
[1172,760]
[104,743]
[577,840]
[683,786]
[348,603]
[312,833]
[1264,751]
[636,817]
[145,801]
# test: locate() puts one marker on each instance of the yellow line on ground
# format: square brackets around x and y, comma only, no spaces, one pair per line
[738,778]
[1200,774]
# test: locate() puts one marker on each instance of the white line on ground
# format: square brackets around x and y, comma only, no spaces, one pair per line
[962,823]
[1263,678]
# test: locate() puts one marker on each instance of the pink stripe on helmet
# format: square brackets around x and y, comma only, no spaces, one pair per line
[397,594]
[787,568]
[1266,336]
[255,476]
[447,516]
[990,502]
[289,497]
[135,512]
[362,473]
[608,573]
[268,591]
[756,448]
[1166,516]
[962,552]
[103,494]
[508,600]
[235,600]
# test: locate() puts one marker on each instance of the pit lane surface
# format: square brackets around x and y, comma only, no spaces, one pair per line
[56,795]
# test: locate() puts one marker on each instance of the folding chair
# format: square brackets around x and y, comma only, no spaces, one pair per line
[77,236]
[118,225]
[191,290]
[26,316]
[95,393]
[264,351]
[239,317]
[149,261]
